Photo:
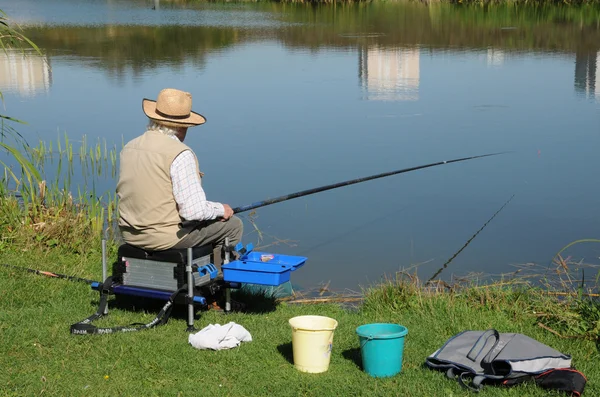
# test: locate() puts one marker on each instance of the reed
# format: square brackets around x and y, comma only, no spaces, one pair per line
[51,213]
[557,295]
[12,38]
[567,3]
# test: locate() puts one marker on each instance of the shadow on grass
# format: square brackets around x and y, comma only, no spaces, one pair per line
[353,355]
[242,301]
[255,302]
[286,351]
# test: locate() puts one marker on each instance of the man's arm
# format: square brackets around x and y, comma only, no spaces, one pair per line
[188,192]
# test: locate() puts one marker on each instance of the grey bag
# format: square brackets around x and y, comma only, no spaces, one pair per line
[473,357]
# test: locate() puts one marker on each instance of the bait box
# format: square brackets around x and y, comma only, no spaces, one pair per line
[251,269]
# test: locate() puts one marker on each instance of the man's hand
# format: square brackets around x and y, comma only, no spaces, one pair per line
[228,213]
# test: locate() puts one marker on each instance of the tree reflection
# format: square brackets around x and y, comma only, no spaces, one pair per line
[586,68]
[381,32]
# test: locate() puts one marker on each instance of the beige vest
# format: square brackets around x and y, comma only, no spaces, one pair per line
[148,213]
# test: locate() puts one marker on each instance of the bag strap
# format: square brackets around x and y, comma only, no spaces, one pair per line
[468,379]
[85,327]
[473,383]
[478,346]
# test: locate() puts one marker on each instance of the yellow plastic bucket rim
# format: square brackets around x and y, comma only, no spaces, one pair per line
[297,327]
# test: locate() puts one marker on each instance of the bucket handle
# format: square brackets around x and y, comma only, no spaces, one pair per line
[368,338]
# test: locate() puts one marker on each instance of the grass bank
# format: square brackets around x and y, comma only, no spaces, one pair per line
[39,356]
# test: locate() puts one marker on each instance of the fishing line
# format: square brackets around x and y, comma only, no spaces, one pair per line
[445,265]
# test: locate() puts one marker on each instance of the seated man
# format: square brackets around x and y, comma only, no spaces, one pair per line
[160,184]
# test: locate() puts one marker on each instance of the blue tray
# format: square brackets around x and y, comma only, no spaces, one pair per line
[295,262]
[256,273]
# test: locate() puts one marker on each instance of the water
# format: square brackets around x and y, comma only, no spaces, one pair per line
[300,96]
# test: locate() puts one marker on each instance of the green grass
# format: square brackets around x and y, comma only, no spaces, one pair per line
[38,356]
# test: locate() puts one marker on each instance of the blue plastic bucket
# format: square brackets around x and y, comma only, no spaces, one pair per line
[381,348]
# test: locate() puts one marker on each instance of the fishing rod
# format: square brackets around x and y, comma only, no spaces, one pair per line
[286,197]
[445,265]
[50,274]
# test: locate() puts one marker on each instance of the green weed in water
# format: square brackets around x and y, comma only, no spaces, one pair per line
[49,212]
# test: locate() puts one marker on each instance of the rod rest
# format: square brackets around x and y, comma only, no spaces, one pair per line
[170,255]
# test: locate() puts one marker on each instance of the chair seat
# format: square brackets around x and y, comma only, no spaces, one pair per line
[170,255]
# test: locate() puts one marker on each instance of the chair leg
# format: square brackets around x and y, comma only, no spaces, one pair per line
[190,283]
[104,269]
[227,289]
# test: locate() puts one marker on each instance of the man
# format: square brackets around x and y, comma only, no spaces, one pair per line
[160,184]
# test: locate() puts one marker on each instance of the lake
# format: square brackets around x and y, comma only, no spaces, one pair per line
[299,96]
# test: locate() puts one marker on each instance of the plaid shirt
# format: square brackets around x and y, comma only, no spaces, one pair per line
[188,192]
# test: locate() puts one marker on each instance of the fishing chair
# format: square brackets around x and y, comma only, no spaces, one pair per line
[163,275]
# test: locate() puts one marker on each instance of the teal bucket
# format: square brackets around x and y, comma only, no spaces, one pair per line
[381,348]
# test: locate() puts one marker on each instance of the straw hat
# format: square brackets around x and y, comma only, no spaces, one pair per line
[172,108]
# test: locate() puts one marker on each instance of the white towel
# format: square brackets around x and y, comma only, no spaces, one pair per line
[218,337]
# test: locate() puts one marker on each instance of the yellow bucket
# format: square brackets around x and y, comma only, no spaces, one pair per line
[312,340]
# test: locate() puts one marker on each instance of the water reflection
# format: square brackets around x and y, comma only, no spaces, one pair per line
[586,70]
[389,74]
[495,57]
[25,74]
[275,63]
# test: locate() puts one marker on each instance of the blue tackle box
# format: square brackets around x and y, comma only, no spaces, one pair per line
[261,268]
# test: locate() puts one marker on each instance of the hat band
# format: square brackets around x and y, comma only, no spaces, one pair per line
[170,116]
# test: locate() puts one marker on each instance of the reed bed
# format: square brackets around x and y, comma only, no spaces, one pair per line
[60,204]
[567,3]
[557,296]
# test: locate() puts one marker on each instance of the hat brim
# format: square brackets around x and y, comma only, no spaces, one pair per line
[194,119]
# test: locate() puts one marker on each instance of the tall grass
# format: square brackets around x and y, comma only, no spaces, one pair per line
[56,211]
[11,38]
[557,297]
